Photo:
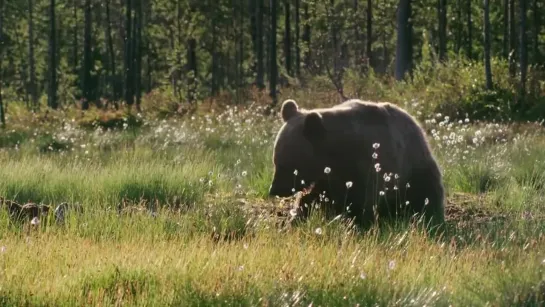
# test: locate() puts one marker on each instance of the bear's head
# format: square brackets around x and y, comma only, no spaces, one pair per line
[295,158]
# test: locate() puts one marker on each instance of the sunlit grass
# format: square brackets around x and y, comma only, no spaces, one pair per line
[176,214]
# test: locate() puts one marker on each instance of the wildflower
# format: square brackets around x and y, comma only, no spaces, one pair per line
[396,176]
[293,212]
[426,201]
[375,155]
[303,182]
[386,178]
[381,193]
[244,173]
[318,231]
[408,185]
[391,264]
[295,172]
[363,275]
[377,167]
[35,221]
[293,190]
[348,184]
[3,249]
[327,170]
[376,145]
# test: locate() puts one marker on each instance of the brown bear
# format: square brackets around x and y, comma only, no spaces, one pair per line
[368,160]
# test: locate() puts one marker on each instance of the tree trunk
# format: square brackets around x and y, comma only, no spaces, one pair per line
[297,39]
[214,79]
[75,50]
[240,47]
[512,39]
[537,30]
[31,62]
[306,37]
[87,58]
[368,49]
[138,54]
[523,47]
[52,88]
[469,31]
[273,70]
[253,26]
[260,82]
[334,38]
[488,69]
[2,115]
[287,37]
[505,46]
[192,66]
[459,27]
[129,99]
[111,54]
[403,39]
[442,30]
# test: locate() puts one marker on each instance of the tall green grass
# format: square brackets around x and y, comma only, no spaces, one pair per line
[198,229]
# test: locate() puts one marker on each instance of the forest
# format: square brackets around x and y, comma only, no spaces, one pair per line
[137,140]
[100,53]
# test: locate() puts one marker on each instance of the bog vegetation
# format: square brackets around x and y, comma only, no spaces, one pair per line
[135,152]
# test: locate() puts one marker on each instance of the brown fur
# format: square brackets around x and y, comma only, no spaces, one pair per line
[342,138]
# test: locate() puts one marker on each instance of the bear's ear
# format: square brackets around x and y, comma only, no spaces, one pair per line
[314,129]
[289,109]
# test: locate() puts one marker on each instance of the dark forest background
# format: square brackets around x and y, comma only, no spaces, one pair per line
[111,53]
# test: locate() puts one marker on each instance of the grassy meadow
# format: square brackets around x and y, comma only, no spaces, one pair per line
[175,213]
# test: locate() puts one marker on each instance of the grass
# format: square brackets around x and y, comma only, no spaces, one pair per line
[175,214]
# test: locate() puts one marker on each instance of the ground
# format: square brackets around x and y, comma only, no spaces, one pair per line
[175,212]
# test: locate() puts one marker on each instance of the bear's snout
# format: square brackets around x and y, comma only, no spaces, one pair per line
[278,190]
